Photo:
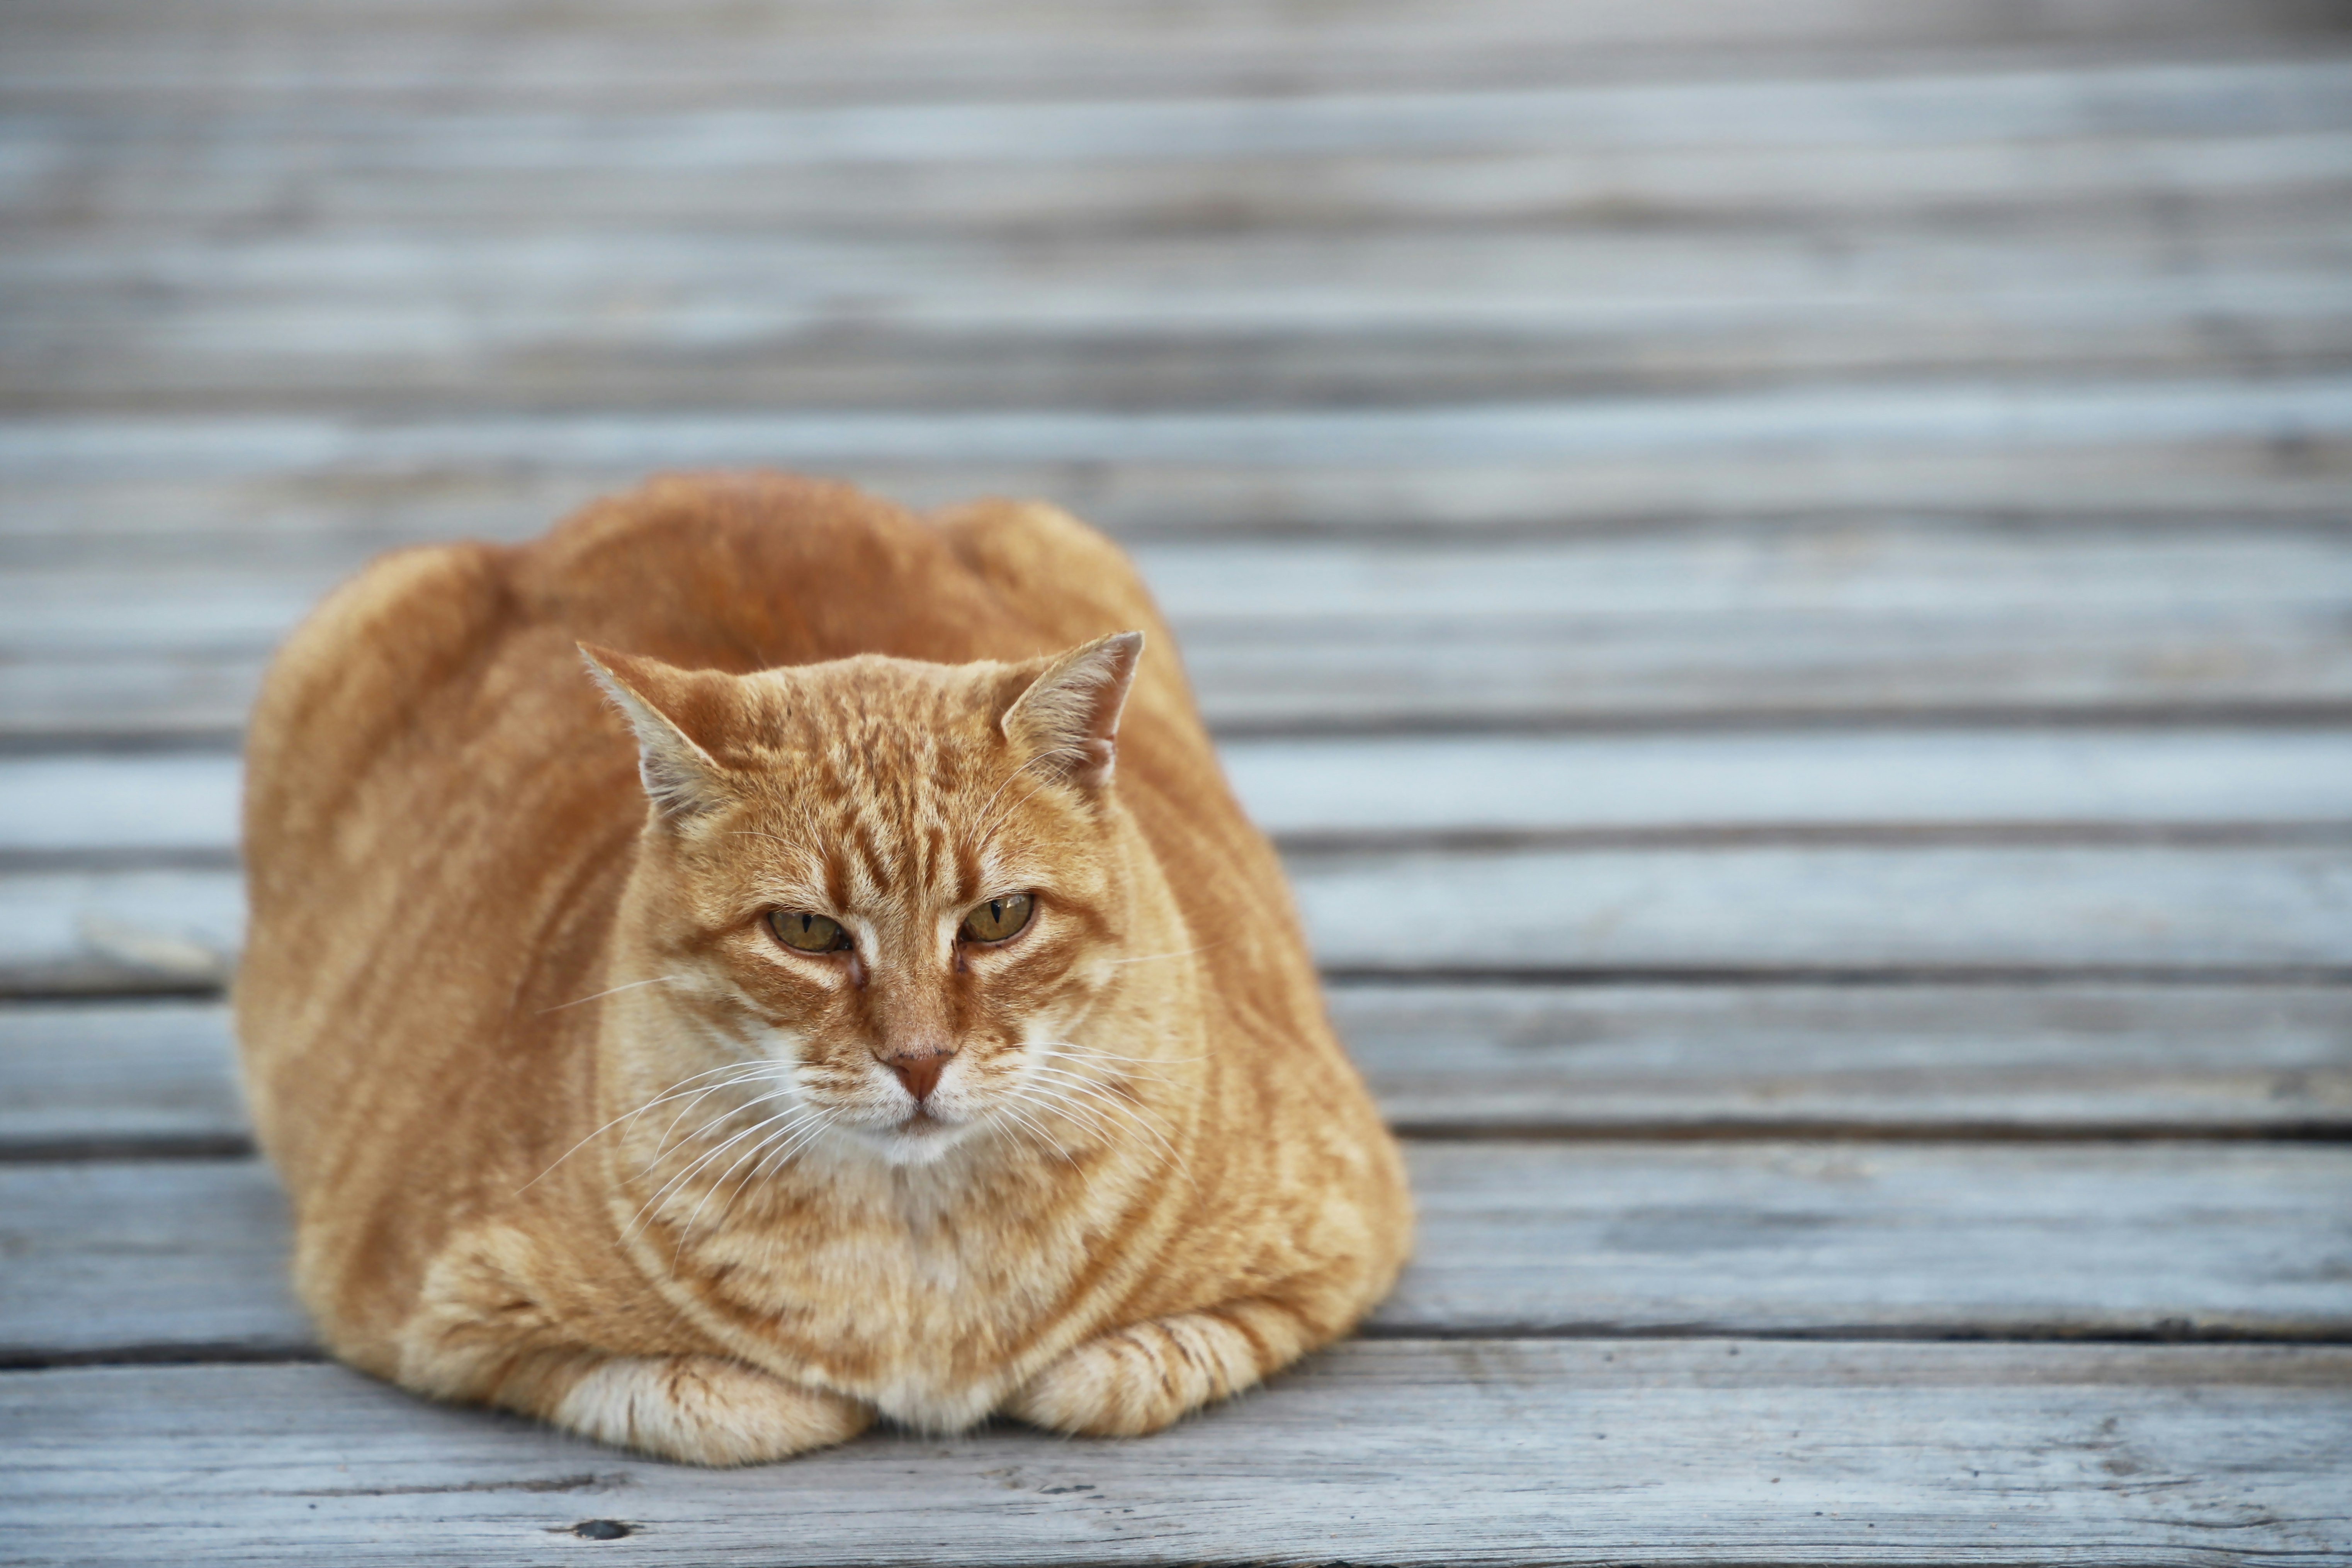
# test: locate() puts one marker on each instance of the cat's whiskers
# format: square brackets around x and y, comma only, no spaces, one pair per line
[801,1139]
[1070,1051]
[1094,1089]
[1098,1094]
[665,1188]
[1086,1117]
[675,1091]
[1153,957]
[664,1149]
[763,1072]
[1040,1135]
[1092,1119]
[615,991]
[785,1122]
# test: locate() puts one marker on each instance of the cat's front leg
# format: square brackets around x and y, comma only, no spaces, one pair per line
[504,1322]
[1142,1377]
[706,1410]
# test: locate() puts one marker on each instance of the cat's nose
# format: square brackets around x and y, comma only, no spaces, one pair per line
[919,1069]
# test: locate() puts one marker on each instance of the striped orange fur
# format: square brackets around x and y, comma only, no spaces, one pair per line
[572,1129]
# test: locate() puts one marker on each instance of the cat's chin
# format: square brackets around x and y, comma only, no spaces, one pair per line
[920,1140]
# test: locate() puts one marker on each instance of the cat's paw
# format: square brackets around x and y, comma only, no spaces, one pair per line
[704,1410]
[1141,1378]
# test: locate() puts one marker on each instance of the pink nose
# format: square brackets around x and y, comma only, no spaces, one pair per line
[920,1074]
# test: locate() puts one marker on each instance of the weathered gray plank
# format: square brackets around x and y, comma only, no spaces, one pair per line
[2219,663]
[2031,1240]
[1817,1237]
[187,695]
[335,514]
[1391,1453]
[780,319]
[126,931]
[1987,1059]
[2213,908]
[159,804]
[2033,1060]
[882,23]
[708,52]
[1844,418]
[1845,908]
[1313,790]
[2220,668]
[2215,96]
[189,1259]
[144,1075]
[134,627]
[1862,573]
[2229,175]
[1302,790]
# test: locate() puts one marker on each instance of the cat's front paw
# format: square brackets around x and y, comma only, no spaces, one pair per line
[704,1410]
[1141,1378]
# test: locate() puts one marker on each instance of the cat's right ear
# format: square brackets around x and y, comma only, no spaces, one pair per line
[682,779]
[1070,711]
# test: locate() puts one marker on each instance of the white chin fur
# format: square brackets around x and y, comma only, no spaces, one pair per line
[903,1145]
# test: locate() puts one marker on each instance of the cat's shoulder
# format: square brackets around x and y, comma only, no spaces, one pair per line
[382,633]
[1046,560]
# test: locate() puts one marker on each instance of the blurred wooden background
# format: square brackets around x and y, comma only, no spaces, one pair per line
[1823,532]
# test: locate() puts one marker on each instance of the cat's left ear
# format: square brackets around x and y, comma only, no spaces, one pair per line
[1070,712]
[682,779]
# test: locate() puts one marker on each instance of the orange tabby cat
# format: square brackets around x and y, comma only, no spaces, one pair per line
[896,1028]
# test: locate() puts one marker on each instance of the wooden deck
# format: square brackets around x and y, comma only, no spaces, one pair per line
[1826,527]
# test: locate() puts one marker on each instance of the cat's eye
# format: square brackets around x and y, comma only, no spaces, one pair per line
[804,932]
[997,919]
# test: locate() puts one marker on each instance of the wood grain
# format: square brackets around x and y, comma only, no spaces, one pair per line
[2037,1061]
[2215,910]
[1506,1452]
[1313,792]
[1816,1238]
[119,1078]
[1608,580]
[1846,910]
[330,516]
[395,321]
[1846,190]
[732,54]
[119,625]
[2221,95]
[1987,1060]
[1793,418]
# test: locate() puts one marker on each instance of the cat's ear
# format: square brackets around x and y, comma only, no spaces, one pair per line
[682,779]
[1070,711]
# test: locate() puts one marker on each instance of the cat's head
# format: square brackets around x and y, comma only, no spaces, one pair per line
[891,887]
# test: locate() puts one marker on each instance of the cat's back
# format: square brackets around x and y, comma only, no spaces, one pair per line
[472,647]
